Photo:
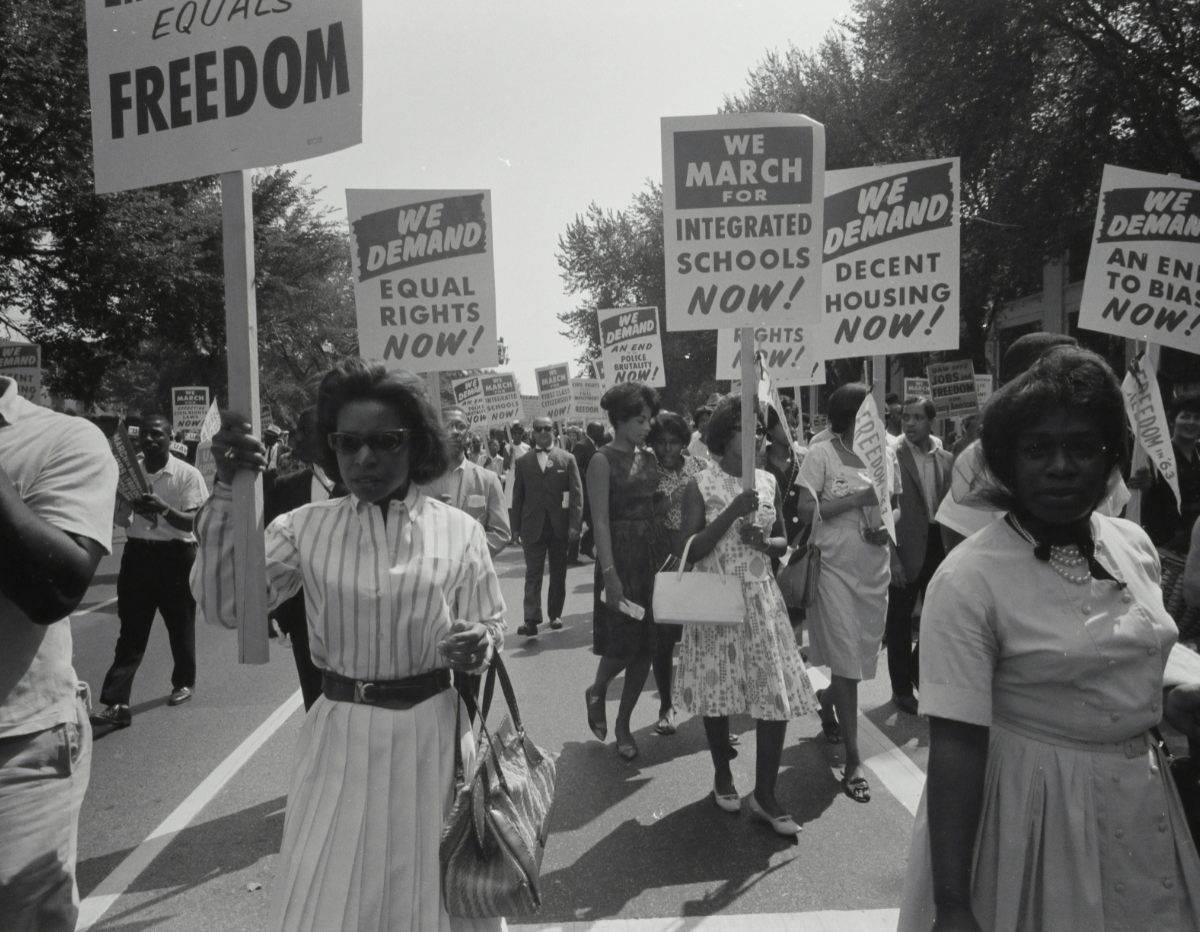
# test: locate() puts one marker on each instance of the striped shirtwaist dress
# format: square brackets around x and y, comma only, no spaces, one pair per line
[371,787]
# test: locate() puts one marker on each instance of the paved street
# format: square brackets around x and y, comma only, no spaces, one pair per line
[640,841]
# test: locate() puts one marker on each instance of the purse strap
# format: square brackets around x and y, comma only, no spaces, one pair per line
[495,670]
[683,562]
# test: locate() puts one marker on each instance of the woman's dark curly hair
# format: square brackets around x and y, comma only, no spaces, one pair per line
[358,380]
[844,404]
[668,422]
[726,418]
[1064,377]
[625,401]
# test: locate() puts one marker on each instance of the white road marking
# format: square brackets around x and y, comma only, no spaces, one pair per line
[125,873]
[825,920]
[94,608]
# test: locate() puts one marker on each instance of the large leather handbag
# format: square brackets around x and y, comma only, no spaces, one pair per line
[495,835]
[798,577]
[698,599]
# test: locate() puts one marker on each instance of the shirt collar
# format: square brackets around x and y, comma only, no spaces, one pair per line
[916,449]
[10,401]
[413,502]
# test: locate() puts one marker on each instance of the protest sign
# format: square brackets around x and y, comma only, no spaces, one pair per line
[131,481]
[424,284]
[189,405]
[468,395]
[952,388]
[783,350]
[1148,419]
[193,89]
[983,388]
[554,391]
[870,446]
[890,260]
[500,398]
[598,370]
[204,457]
[916,388]
[585,400]
[531,407]
[742,201]
[1143,274]
[632,345]
[22,362]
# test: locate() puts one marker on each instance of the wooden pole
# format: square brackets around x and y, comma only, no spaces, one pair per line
[241,340]
[749,390]
[879,386]
[813,397]
[1133,511]
[434,381]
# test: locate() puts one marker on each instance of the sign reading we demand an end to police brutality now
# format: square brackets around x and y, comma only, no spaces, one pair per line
[890,260]
[1143,274]
[424,282]
[188,89]
[631,345]
[742,202]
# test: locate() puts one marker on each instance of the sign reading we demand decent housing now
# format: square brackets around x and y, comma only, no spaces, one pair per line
[424,282]
[195,88]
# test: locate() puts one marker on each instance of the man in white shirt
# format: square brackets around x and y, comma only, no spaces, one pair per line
[159,551]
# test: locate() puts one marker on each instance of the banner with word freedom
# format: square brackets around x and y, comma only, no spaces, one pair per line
[788,358]
[22,362]
[1148,419]
[870,446]
[424,281]
[952,388]
[742,202]
[890,260]
[1143,274]
[189,406]
[631,345]
[195,88]
[554,390]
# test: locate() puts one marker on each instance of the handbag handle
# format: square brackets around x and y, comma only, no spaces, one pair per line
[683,561]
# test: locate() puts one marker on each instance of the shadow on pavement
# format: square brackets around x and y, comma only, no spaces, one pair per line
[900,727]
[576,632]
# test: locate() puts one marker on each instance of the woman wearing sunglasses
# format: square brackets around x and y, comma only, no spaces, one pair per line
[400,590]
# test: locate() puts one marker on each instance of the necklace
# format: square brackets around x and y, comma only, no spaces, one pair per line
[1062,559]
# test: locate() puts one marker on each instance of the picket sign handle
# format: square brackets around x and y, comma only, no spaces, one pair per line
[241,341]
[434,381]
[749,390]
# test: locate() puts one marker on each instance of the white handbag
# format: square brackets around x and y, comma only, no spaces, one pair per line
[698,599]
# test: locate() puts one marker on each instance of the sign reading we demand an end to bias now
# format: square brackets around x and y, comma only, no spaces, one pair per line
[890,260]
[424,281]
[188,89]
[1143,274]
[742,201]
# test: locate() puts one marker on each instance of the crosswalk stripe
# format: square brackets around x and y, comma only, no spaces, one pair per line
[825,920]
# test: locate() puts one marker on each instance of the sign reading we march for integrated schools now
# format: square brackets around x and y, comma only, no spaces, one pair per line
[742,202]
[1143,274]
[194,88]
[424,284]
[631,346]
[787,357]
[890,260]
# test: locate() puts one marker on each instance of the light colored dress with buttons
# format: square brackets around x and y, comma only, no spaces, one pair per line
[754,668]
[1081,825]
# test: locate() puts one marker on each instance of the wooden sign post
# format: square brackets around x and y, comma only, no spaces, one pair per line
[749,392]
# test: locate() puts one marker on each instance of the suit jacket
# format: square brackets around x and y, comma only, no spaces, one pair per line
[583,453]
[912,529]
[479,494]
[547,503]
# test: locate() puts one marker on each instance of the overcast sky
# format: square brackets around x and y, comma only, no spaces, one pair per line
[551,106]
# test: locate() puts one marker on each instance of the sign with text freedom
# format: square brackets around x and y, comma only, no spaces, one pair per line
[192,89]
[742,202]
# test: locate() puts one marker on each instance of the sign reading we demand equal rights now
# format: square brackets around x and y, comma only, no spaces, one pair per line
[1143,274]
[196,88]
[424,281]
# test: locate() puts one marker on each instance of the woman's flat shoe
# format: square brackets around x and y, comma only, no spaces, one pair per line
[666,723]
[731,803]
[627,749]
[857,788]
[595,714]
[783,825]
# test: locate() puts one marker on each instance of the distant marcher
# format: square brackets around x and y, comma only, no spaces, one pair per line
[783,461]
[697,446]
[584,450]
[630,547]
[159,551]
[517,447]
[271,437]
[58,481]
[894,418]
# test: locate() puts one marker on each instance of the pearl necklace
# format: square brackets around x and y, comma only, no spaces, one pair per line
[1062,559]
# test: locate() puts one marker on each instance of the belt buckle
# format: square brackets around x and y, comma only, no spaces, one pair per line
[360,692]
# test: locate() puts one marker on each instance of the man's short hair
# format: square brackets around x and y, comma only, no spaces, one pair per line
[925,402]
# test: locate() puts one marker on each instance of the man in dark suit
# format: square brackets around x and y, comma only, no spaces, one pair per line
[281,495]
[925,471]
[583,452]
[547,512]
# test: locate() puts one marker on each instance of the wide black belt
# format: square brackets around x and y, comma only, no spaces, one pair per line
[388,694]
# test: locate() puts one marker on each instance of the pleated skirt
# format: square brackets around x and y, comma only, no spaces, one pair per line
[369,793]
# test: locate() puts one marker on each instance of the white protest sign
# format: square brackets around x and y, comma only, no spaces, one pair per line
[424,284]
[468,395]
[531,407]
[22,362]
[983,388]
[742,203]
[189,405]
[585,399]
[952,388]
[890,260]
[501,400]
[598,369]
[783,350]
[632,345]
[870,446]
[204,456]
[1148,419]
[194,89]
[1143,274]
[554,391]
[916,388]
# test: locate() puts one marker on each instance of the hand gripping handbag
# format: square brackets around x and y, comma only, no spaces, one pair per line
[495,835]
[698,599]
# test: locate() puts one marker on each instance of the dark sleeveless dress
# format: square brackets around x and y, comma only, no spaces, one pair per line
[639,547]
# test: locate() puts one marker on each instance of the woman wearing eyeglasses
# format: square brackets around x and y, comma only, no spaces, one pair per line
[399,590]
[1046,657]
[847,621]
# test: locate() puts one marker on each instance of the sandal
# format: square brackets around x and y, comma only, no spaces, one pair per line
[666,723]
[829,726]
[595,714]
[857,788]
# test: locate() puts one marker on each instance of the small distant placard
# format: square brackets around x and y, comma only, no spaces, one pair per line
[952,387]
[22,362]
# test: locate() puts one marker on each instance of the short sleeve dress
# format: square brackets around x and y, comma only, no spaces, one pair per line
[1081,825]
[754,668]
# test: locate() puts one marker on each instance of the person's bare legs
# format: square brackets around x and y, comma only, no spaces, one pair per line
[716,729]
[769,737]
[845,701]
[606,672]
[636,672]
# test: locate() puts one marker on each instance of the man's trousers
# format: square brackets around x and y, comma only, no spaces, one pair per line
[536,553]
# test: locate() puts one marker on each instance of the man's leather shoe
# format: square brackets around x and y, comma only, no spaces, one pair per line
[555,624]
[905,703]
[529,629]
[180,695]
[112,716]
